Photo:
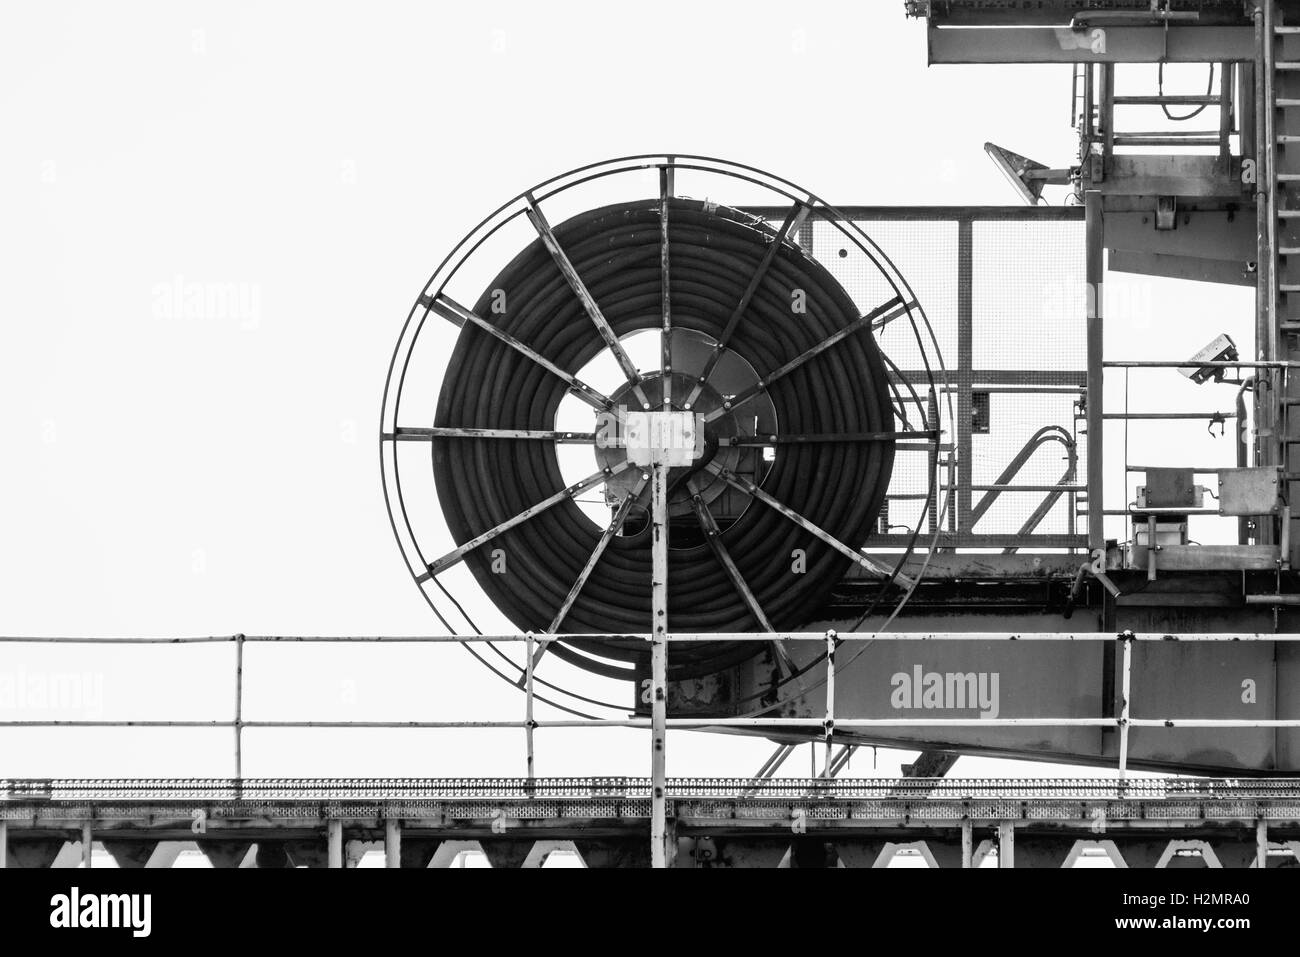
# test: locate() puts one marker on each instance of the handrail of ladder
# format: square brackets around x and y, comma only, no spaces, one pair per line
[1048,433]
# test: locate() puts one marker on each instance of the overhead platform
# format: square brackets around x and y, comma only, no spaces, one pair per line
[1065,12]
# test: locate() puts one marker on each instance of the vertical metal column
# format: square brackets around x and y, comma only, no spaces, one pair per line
[87,845]
[4,844]
[1246,105]
[967,843]
[1095,273]
[965,369]
[239,713]
[1006,844]
[1225,114]
[1087,126]
[659,666]
[392,843]
[1106,122]
[529,723]
[1261,843]
[1126,685]
[334,840]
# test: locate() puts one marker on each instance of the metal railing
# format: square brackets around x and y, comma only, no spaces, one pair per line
[828,724]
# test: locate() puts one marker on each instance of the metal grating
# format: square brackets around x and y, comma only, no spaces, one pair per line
[487,792]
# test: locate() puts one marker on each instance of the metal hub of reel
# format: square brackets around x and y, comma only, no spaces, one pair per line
[665,328]
[726,444]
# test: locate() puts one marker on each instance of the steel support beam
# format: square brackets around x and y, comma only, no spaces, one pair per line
[1228,272]
[1108,44]
[1209,234]
[659,666]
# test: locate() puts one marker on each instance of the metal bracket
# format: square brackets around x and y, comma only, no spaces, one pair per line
[1166,212]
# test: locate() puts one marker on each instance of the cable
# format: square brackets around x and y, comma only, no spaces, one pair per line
[839,486]
[1160,90]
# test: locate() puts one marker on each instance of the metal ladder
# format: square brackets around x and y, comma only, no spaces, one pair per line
[1278,328]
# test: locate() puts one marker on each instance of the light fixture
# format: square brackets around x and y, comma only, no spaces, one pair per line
[1026,175]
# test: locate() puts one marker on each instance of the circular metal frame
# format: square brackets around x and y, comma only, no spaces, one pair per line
[528,204]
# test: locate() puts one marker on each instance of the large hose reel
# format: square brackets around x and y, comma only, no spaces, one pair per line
[728,342]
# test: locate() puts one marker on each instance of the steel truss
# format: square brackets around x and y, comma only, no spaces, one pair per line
[736,822]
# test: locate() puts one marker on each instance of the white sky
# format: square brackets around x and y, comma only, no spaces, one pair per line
[166,475]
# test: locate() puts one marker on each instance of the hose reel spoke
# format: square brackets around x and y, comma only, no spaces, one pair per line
[809,526]
[615,523]
[457,314]
[793,220]
[457,554]
[709,526]
[538,219]
[713,535]
[894,306]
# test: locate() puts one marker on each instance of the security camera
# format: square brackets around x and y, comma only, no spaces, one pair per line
[1222,349]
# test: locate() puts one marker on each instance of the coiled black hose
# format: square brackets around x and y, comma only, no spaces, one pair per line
[839,486]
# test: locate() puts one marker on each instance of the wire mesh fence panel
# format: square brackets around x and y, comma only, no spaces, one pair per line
[1004,292]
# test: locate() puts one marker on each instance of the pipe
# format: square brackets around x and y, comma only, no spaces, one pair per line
[1095,274]
[1243,522]
[1212,416]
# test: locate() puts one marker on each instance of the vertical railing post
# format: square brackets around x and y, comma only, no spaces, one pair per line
[1126,685]
[659,668]
[1094,276]
[1153,546]
[932,458]
[828,725]
[529,724]
[1006,844]
[239,715]
[1225,114]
